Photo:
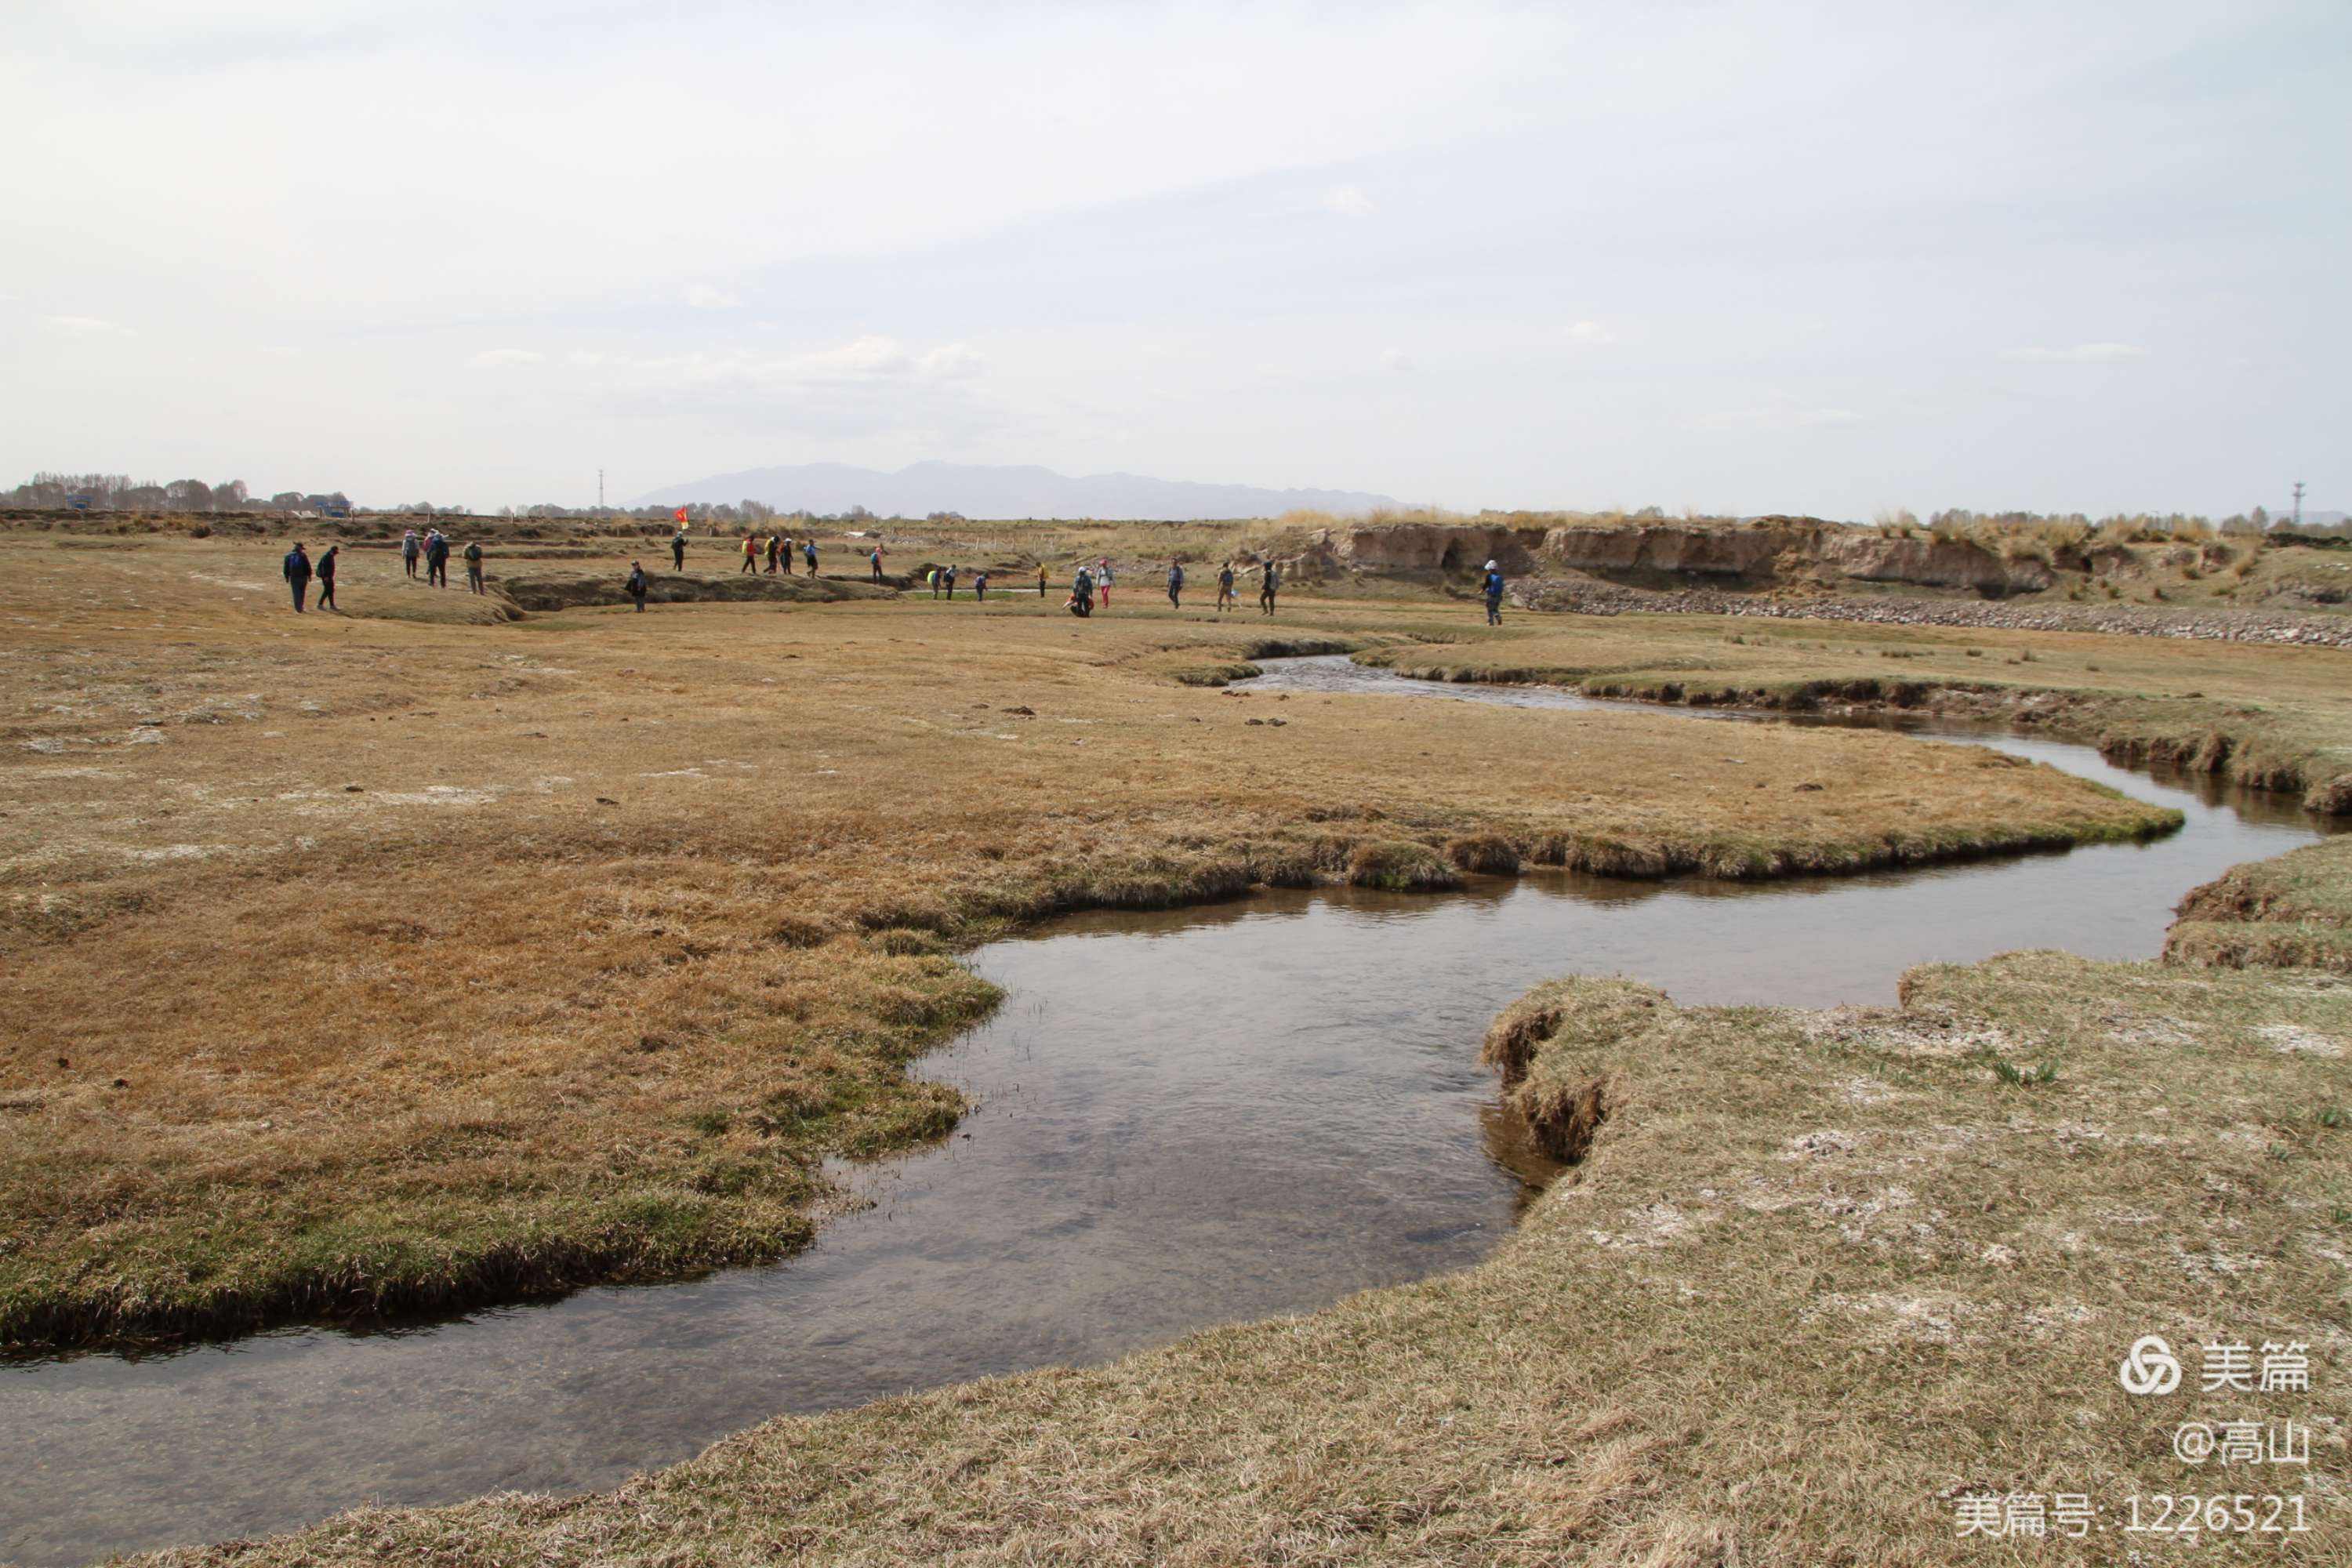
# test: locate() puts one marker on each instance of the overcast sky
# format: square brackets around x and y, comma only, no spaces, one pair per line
[1830,258]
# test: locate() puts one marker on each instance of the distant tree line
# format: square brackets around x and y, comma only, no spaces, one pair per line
[120,493]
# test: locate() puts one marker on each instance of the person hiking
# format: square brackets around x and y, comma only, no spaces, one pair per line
[874,559]
[751,555]
[474,566]
[298,575]
[1176,583]
[327,580]
[808,548]
[678,551]
[1494,587]
[637,584]
[1102,581]
[1269,579]
[948,577]
[1082,593]
[980,587]
[1225,586]
[410,548]
[931,580]
[1041,579]
[436,558]
[775,543]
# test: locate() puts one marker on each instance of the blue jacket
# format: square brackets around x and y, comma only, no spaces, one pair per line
[1494,584]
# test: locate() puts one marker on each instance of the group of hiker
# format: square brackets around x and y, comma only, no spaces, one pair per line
[1089,585]
[1090,582]
[776,547]
[430,549]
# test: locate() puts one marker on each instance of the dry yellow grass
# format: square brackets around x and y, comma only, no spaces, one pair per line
[360,964]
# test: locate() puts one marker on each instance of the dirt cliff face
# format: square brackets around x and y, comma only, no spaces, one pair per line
[1434,547]
[1761,553]
[1931,563]
[1682,549]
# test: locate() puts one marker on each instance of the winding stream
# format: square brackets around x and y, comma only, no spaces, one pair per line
[1184,1118]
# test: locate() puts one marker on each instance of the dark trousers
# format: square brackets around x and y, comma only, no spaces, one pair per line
[437,573]
[327,593]
[677,557]
[473,578]
[301,586]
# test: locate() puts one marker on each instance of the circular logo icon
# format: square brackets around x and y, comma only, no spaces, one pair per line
[2150,1368]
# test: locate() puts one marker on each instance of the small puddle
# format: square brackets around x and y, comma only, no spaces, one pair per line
[1185,1118]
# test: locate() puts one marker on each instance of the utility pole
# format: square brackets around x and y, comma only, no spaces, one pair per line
[2298,504]
[600,491]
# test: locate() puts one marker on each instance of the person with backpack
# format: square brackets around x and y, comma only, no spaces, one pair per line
[931,580]
[751,555]
[876,560]
[808,549]
[298,573]
[1494,588]
[436,558]
[1082,593]
[1269,579]
[1176,583]
[409,550]
[775,543]
[637,584]
[980,586]
[677,550]
[474,566]
[948,577]
[1225,586]
[327,580]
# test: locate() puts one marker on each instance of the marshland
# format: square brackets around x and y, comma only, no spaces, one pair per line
[390,972]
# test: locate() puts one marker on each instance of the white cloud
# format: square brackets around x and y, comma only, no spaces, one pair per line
[872,361]
[1396,358]
[493,359]
[704,296]
[1590,332]
[1348,201]
[89,326]
[1781,415]
[2079,353]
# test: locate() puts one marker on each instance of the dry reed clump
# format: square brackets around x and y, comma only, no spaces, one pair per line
[503,958]
[1401,865]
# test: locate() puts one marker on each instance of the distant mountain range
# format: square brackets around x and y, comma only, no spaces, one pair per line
[982,491]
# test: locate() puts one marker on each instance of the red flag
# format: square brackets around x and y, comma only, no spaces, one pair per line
[680,515]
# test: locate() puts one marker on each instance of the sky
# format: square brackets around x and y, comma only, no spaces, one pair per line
[1826,257]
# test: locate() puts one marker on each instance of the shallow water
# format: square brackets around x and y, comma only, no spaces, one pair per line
[1185,1119]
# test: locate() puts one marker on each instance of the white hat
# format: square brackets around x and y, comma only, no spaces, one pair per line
[1490,566]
